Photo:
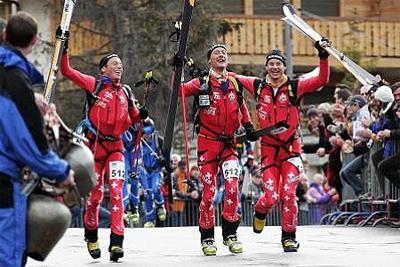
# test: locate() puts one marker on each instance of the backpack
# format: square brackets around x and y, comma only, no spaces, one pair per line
[85,124]
[291,85]
[205,82]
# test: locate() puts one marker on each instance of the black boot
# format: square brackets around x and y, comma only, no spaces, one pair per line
[229,235]
[207,241]
[92,243]
[115,247]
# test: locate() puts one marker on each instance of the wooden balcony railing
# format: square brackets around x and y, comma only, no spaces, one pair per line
[257,35]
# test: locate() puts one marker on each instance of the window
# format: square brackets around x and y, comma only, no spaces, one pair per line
[231,6]
[268,7]
[328,8]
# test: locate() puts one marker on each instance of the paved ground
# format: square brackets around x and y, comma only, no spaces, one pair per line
[324,246]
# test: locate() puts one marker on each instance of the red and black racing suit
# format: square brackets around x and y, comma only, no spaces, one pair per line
[217,151]
[110,116]
[280,154]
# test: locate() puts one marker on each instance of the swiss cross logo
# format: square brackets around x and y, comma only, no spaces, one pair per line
[282,98]
[231,96]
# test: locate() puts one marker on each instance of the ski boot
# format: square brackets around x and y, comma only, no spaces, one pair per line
[93,249]
[115,247]
[161,213]
[233,244]
[149,224]
[92,243]
[134,217]
[290,245]
[208,247]
[258,222]
[125,218]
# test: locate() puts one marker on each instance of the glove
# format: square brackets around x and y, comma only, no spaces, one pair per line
[162,161]
[178,61]
[319,45]
[59,34]
[143,113]
[250,132]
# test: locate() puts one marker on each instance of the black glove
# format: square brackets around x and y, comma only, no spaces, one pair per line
[178,61]
[143,113]
[66,38]
[250,132]
[162,161]
[322,53]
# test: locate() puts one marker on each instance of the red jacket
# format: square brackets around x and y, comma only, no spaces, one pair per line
[224,115]
[273,109]
[110,113]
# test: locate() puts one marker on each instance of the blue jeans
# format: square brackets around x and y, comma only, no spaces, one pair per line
[351,172]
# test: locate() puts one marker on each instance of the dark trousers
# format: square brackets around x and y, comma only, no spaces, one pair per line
[390,167]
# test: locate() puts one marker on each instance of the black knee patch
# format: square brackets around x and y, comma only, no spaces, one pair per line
[6,192]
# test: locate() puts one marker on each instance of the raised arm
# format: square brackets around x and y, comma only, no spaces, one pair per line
[84,81]
[190,88]
[249,83]
[313,83]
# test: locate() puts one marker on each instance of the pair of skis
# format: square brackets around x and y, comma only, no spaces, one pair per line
[299,24]
[57,51]
[176,82]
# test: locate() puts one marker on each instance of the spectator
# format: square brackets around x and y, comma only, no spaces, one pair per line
[319,198]
[342,93]
[351,173]
[179,192]
[255,187]
[3,24]
[22,142]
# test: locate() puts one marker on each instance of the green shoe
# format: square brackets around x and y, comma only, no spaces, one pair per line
[94,249]
[233,244]
[258,224]
[161,213]
[290,245]
[149,225]
[134,218]
[208,247]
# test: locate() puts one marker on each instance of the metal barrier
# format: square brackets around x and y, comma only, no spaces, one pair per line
[308,214]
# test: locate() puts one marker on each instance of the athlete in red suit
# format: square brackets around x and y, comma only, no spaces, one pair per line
[277,98]
[111,114]
[218,120]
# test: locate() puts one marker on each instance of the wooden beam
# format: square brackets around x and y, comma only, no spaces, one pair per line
[248,7]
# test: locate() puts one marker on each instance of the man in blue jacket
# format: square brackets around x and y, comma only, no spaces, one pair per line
[22,139]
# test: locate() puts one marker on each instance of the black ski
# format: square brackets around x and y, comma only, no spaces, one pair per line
[299,24]
[58,46]
[278,128]
[177,76]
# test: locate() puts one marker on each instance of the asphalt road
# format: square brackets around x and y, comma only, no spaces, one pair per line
[321,246]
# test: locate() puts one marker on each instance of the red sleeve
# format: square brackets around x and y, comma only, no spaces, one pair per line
[312,84]
[245,114]
[84,81]
[247,82]
[134,114]
[190,88]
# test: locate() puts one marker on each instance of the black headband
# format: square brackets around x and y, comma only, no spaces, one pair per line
[105,59]
[276,54]
[212,48]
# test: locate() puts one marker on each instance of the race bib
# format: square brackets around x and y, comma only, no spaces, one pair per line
[117,170]
[231,169]
[298,163]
